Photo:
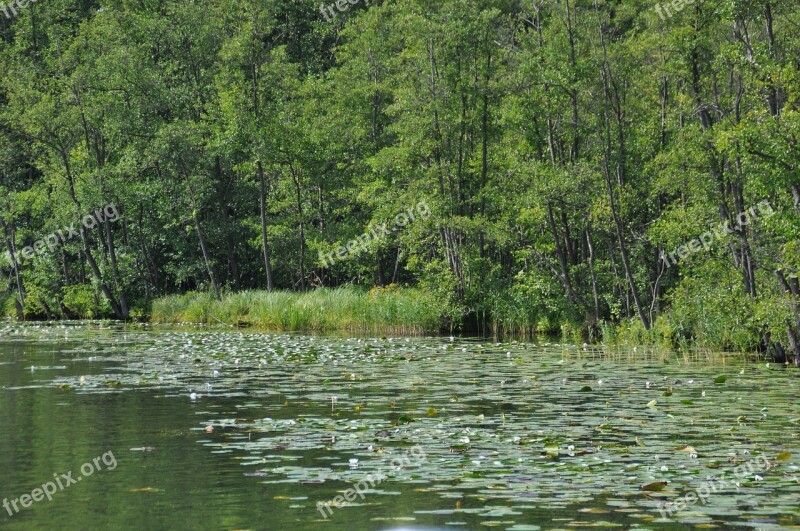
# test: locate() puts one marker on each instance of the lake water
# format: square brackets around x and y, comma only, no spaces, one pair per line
[226,430]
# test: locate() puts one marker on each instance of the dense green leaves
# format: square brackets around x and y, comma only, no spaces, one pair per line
[563,147]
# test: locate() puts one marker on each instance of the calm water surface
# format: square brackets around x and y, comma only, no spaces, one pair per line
[229,430]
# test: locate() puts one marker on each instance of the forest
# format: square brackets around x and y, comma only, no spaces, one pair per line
[614,170]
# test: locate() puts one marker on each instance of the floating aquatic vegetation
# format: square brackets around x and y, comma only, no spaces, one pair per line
[510,430]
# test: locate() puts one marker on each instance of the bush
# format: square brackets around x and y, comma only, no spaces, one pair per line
[81,301]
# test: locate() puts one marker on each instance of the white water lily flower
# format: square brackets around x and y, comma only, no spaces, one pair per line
[353,462]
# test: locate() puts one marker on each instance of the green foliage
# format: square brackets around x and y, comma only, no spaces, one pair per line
[561,148]
[83,302]
[7,308]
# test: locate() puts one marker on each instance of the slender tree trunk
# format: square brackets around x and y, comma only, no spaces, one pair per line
[625,261]
[773,93]
[85,242]
[301,226]
[262,188]
[12,253]
[212,273]
[380,279]
[562,259]
[623,250]
[396,266]
[595,293]
[112,253]
[96,271]
[152,269]
[610,100]
[792,288]
[225,211]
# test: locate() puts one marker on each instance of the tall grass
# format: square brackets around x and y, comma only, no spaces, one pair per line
[381,310]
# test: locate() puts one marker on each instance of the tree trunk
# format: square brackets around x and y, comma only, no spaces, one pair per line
[112,253]
[262,188]
[12,253]
[595,294]
[613,100]
[225,211]
[792,289]
[212,273]
[118,313]
[301,226]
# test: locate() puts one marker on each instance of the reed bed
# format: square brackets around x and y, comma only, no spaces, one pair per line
[346,309]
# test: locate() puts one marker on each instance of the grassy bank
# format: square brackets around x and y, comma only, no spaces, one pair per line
[381,310]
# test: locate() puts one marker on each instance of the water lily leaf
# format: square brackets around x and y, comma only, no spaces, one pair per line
[687,449]
[721,379]
[656,486]
[784,456]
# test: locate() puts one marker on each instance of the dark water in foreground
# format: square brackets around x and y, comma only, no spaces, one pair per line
[508,436]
